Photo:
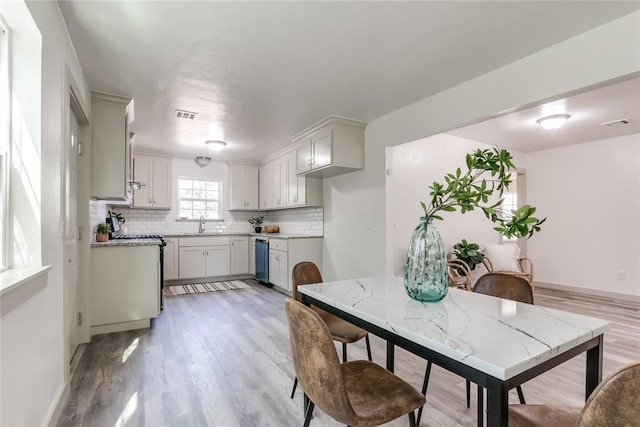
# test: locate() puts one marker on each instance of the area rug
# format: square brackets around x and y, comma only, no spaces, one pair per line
[198,288]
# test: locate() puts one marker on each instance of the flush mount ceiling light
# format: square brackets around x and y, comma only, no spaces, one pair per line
[215,145]
[553,122]
[203,161]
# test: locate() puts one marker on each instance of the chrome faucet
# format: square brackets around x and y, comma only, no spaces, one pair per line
[201,224]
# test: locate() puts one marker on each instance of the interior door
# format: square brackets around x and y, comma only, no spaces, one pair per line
[70,270]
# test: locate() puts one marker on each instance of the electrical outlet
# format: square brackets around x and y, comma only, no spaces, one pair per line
[622,275]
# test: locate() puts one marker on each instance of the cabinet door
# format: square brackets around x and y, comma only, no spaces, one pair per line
[170,260]
[237,187]
[218,261]
[266,187]
[278,268]
[321,149]
[252,257]
[191,262]
[252,188]
[303,156]
[296,185]
[142,173]
[239,255]
[161,193]
[280,183]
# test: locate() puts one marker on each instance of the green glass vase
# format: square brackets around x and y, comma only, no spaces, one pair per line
[425,273]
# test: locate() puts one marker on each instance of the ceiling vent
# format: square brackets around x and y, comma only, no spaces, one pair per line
[181,114]
[615,123]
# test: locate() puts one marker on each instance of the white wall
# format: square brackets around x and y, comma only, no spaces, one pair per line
[590,193]
[38,380]
[415,166]
[353,250]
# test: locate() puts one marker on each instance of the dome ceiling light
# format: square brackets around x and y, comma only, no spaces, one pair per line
[553,122]
[215,145]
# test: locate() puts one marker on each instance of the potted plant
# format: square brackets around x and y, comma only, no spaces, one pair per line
[256,221]
[488,172]
[102,232]
[469,253]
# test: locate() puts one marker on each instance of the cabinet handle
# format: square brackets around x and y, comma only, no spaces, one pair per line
[309,161]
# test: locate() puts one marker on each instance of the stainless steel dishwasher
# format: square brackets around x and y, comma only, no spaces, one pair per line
[262,260]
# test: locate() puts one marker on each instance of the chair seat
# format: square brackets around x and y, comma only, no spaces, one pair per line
[376,395]
[341,330]
[542,416]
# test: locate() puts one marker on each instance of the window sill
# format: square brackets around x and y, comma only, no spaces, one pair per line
[197,220]
[14,278]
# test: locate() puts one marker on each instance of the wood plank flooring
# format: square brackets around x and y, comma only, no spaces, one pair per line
[222,359]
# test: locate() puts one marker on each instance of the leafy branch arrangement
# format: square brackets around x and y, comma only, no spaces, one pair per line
[256,220]
[470,190]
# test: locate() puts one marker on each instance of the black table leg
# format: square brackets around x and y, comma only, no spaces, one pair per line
[390,356]
[497,404]
[594,367]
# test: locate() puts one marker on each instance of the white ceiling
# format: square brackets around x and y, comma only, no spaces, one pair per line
[260,72]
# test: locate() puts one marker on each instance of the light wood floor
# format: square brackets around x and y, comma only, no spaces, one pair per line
[222,359]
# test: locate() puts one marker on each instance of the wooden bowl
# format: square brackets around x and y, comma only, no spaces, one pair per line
[271,229]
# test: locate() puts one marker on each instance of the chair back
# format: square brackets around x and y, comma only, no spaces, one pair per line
[616,401]
[506,286]
[316,362]
[304,273]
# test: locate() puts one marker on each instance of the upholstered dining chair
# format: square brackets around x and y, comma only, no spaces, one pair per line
[614,403]
[501,285]
[305,273]
[358,393]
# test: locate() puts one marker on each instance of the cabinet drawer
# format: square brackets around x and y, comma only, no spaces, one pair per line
[205,241]
[278,244]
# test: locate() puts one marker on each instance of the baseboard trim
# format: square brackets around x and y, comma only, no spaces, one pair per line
[60,402]
[585,291]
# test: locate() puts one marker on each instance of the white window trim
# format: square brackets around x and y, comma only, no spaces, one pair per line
[219,199]
[5,144]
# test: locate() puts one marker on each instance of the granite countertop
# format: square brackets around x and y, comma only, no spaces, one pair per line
[132,242]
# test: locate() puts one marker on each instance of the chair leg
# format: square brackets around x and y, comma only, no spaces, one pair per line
[468,394]
[295,384]
[309,413]
[480,406]
[425,384]
[412,419]
[366,340]
[344,352]
[520,395]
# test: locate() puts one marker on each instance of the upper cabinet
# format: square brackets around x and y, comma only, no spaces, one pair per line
[243,187]
[154,176]
[331,147]
[110,146]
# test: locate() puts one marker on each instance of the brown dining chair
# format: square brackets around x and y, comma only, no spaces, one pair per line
[501,285]
[305,273]
[358,393]
[614,403]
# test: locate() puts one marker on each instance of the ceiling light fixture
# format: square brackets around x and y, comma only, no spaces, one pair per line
[553,122]
[203,161]
[216,145]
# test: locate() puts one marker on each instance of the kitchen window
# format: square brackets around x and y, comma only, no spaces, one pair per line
[4,144]
[198,198]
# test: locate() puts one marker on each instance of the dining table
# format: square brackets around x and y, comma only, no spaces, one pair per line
[495,343]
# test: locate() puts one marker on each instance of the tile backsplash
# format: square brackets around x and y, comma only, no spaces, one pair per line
[148,221]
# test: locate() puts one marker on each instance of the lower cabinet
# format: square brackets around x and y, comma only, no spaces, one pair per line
[212,256]
[171,259]
[252,256]
[284,254]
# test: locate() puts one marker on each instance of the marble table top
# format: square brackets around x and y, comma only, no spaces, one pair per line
[500,337]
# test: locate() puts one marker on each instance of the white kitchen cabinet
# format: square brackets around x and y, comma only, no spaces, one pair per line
[284,254]
[243,187]
[301,190]
[279,183]
[252,256]
[331,147]
[110,147]
[240,255]
[266,186]
[206,256]
[171,259]
[124,289]
[278,268]
[155,177]
[191,262]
